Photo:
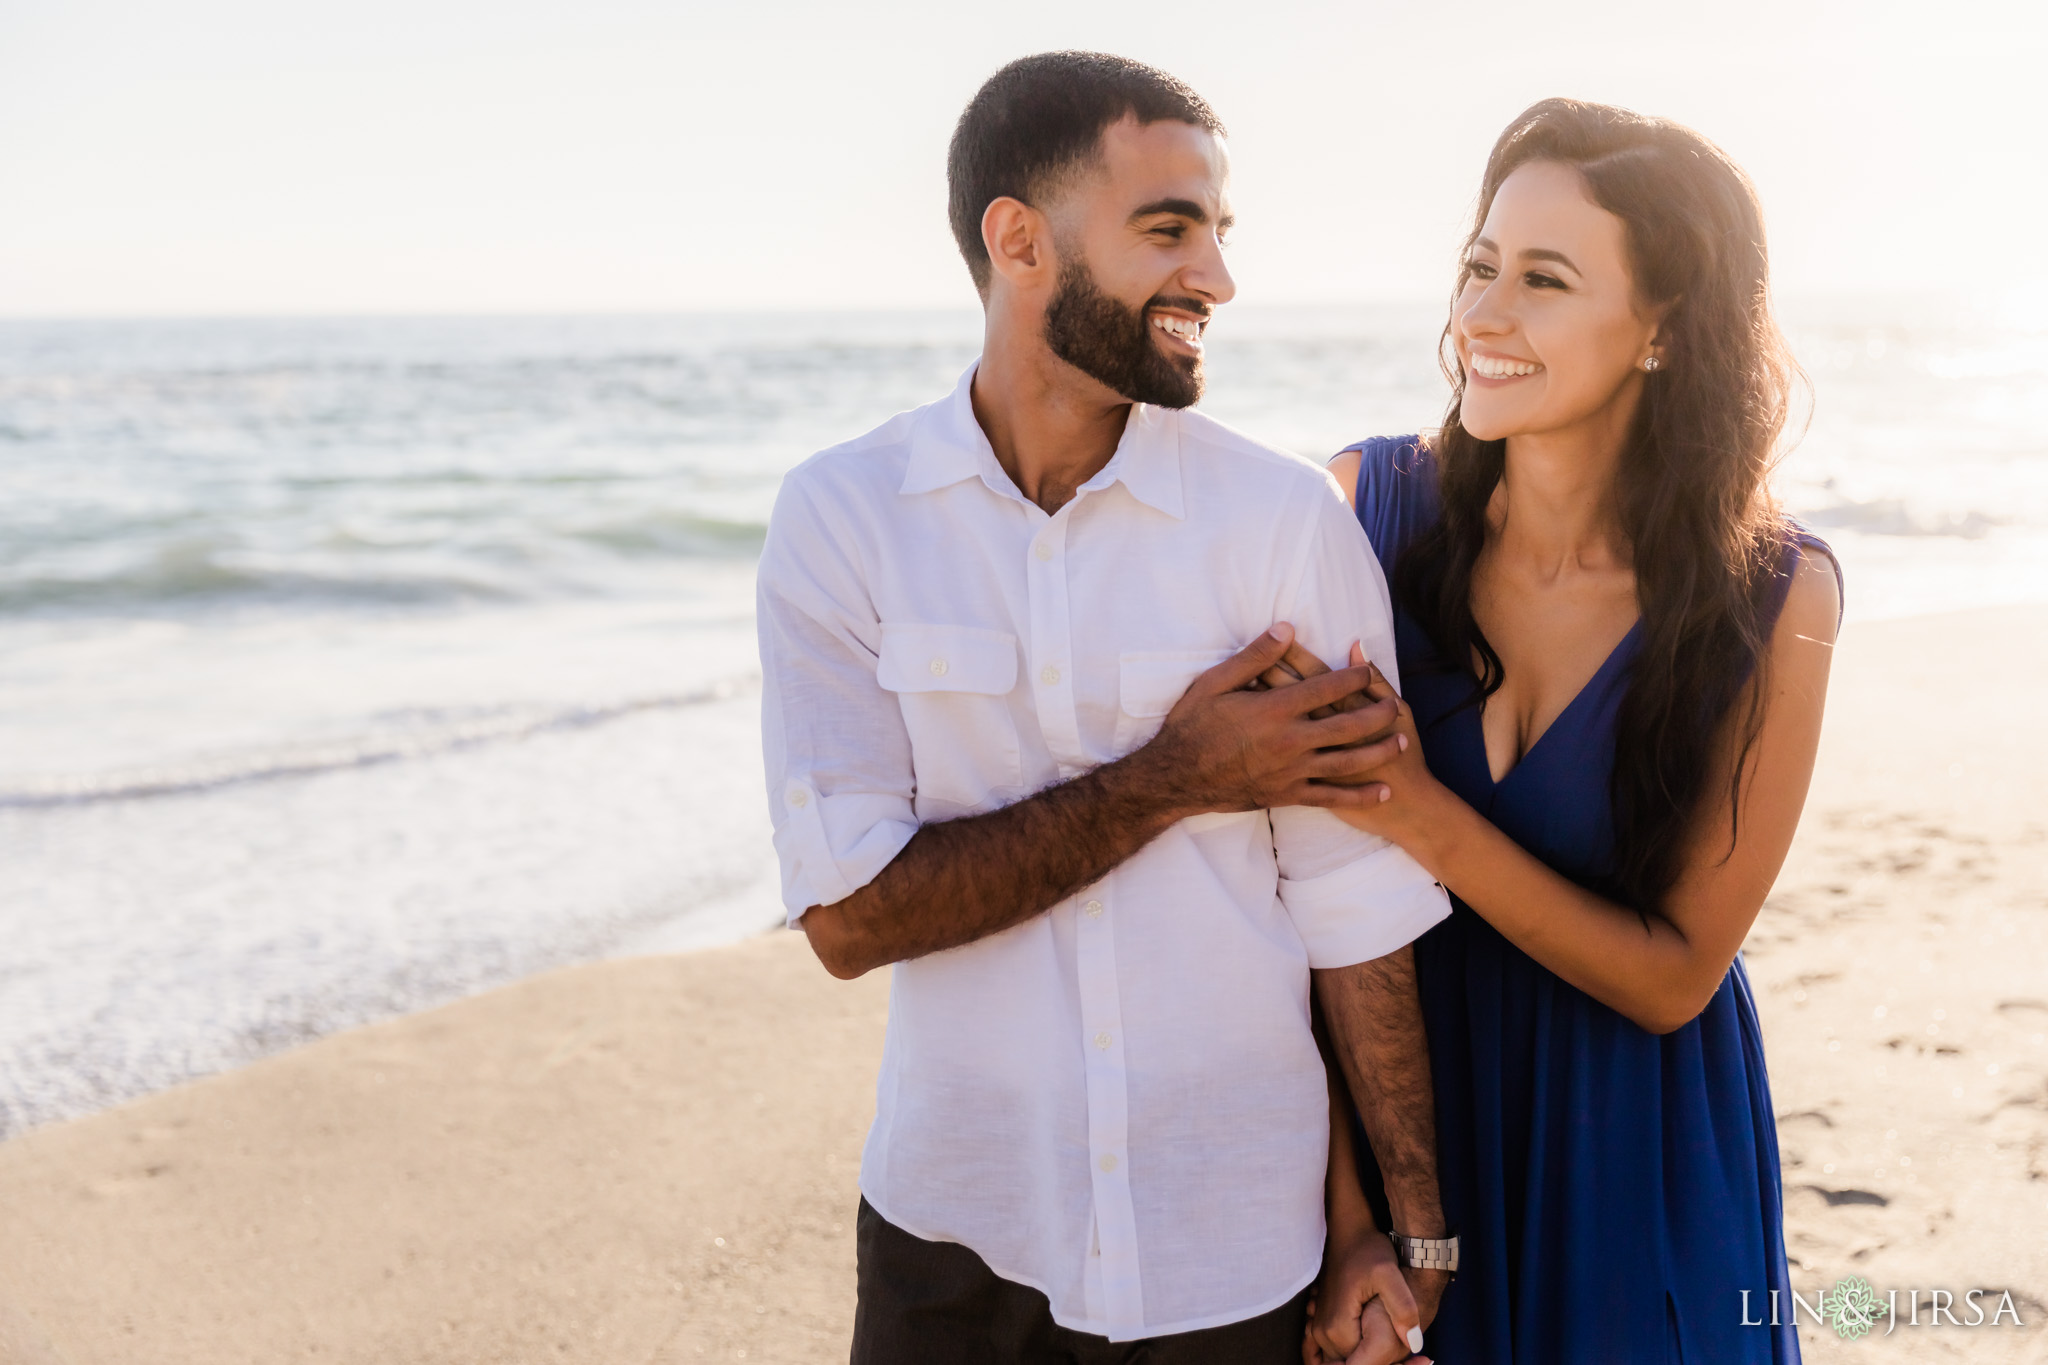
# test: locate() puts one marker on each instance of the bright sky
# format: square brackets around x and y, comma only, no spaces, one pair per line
[250,156]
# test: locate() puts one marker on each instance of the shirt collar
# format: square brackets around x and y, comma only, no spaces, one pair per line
[948,446]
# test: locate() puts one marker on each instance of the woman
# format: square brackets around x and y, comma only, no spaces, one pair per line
[1615,651]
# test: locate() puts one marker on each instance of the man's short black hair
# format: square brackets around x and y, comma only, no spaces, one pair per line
[1041,116]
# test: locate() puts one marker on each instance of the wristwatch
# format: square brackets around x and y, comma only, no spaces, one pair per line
[1426,1253]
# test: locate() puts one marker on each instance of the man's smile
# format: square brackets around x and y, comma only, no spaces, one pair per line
[1183,331]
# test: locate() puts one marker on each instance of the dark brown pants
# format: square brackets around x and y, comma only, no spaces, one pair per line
[937,1303]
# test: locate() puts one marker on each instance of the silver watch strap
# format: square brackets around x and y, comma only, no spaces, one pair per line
[1426,1253]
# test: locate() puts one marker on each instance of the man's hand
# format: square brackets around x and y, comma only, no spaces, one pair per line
[1366,1310]
[1232,744]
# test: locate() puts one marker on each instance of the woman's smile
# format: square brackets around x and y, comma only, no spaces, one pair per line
[1498,369]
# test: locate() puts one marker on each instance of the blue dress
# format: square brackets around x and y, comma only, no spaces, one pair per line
[1614,1190]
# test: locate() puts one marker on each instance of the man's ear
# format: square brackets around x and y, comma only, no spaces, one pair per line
[1018,240]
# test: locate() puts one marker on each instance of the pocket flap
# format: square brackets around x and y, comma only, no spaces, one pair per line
[1150,683]
[947,659]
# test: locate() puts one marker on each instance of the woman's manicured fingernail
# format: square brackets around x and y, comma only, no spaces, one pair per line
[1401,743]
[1415,1338]
[1386,793]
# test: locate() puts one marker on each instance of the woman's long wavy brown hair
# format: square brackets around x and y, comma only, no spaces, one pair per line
[1691,490]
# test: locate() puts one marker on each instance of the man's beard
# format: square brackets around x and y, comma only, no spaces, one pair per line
[1111,342]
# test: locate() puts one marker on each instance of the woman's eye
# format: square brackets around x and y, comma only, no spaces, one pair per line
[1480,270]
[1538,280]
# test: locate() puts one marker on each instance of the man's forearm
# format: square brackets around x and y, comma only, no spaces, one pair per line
[1375,1022]
[961,880]
[1345,1206]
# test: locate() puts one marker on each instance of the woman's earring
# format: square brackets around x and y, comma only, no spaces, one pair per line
[1650,364]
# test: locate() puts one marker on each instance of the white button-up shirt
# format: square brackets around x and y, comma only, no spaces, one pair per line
[1117,1102]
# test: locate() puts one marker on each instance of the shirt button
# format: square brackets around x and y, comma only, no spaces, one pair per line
[1102,1041]
[1095,909]
[938,668]
[798,797]
[1048,675]
[1108,1162]
[1043,551]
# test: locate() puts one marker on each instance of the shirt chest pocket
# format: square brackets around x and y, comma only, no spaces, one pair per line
[954,685]
[1148,684]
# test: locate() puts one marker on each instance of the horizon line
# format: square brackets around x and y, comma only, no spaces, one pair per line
[1920,294]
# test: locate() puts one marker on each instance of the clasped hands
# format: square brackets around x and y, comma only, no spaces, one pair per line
[1275,726]
[1367,1310]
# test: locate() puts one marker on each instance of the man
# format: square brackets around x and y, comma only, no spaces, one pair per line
[1015,747]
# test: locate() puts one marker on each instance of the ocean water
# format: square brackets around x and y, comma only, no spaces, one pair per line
[350,666]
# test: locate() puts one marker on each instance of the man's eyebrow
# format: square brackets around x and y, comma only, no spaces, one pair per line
[1186,208]
[1534,253]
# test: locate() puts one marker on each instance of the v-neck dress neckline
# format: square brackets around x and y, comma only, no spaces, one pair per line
[1594,687]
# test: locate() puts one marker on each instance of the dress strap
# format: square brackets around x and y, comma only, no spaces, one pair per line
[1799,542]
[1396,498]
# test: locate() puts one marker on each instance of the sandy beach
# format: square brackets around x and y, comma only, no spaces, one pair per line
[654,1160]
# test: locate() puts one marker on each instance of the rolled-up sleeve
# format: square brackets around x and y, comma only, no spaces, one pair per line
[836,753]
[1352,896]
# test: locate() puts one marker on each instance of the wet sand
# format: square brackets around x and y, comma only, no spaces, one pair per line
[640,1161]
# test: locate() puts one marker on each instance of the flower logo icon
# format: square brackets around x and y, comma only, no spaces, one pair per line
[1852,1307]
